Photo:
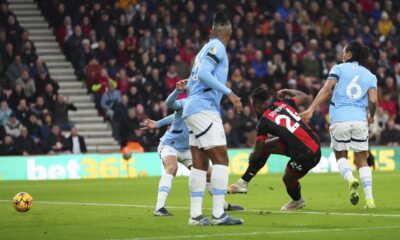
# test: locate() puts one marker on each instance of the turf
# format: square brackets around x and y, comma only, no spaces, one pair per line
[324,193]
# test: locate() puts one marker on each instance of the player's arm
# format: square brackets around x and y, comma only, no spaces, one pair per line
[151,124]
[372,100]
[298,96]
[171,99]
[205,75]
[322,95]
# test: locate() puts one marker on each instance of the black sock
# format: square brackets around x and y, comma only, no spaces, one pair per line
[294,190]
[253,168]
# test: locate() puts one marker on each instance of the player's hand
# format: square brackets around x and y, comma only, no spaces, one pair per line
[148,124]
[281,94]
[371,120]
[181,85]
[307,115]
[235,100]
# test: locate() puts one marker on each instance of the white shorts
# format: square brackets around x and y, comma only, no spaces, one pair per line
[349,134]
[183,157]
[207,130]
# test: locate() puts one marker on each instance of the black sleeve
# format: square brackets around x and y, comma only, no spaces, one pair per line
[262,129]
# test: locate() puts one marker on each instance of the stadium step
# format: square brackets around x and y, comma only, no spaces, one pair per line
[82,98]
[26,12]
[100,141]
[62,78]
[90,126]
[49,50]
[98,133]
[95,134]
[92,119]
[86,112]
[59,64]
[71,84]
[66,91]
[103,149]
[43,39]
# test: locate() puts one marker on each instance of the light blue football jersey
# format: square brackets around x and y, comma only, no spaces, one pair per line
[350,95]
[203,97]
[178,135]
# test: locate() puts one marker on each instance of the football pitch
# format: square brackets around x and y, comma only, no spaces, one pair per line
[123,209]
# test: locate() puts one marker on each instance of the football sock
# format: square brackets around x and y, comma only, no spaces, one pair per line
[197,185]
[294,190]
[164,187]
[209,190]
[253,168]
[366,179]
[219,183]
[345,169]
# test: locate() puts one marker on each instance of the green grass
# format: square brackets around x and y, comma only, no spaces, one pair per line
[325,193]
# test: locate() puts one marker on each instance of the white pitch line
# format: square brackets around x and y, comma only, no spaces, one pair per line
[250,210]
[210,236]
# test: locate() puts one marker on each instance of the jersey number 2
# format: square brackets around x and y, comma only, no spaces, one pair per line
[353,90]
[291,128]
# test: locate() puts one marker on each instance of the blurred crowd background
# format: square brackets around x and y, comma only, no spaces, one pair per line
[131,53]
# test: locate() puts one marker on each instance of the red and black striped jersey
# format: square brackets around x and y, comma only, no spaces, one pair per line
[281,119]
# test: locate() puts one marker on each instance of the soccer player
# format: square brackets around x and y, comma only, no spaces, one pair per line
[354,91]
[174,147]
[293,138]
[202,116]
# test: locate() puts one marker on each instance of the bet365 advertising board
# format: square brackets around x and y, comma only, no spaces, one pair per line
[94,166]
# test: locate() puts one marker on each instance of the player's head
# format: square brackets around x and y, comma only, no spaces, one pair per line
[260,99]
[356,51]
[221,27]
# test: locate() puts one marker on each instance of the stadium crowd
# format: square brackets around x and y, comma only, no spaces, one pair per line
[131,53]
[32,113]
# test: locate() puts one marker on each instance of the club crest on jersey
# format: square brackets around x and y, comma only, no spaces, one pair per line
[213,50]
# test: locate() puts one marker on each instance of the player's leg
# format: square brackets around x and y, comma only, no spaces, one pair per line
[227,206]
[360,145]
[293,188]
[340,141]
[365,176]
[272,146]
[295,170]
[219,183]
[197,185]
[169,159]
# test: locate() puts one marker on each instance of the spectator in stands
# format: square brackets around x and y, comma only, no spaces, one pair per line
[50,96]
[5,112]
[7,148]
[16,95]
[102,53]
[385,24]
[318,122]
[123,81]
[24,144]
[171,78]
[13,126]
[29,56]
[27,83]
[34,127]
[14,70]
[45,127]
[39,108]
[22,111]
[231,137]
[260,65]
[40,66]
[65,31]
[76,142]
[13,31]
[60,112]
[41,80]
[55,143]
[390,136]
[128,125]
[110,99]
[8,55]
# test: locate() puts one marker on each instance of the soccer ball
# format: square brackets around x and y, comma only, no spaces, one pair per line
[22,202]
